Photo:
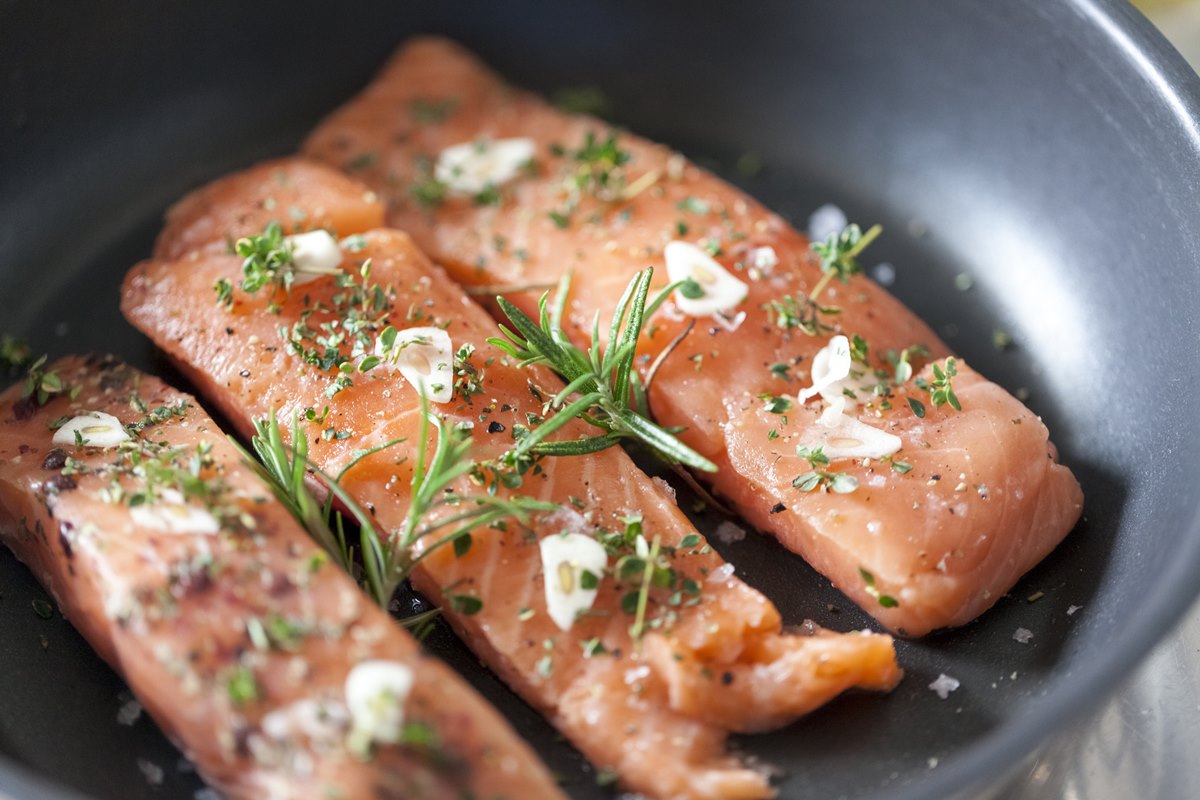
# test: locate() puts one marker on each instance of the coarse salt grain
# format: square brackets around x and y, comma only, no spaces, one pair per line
[944,685]
[1022,635]
[728,532]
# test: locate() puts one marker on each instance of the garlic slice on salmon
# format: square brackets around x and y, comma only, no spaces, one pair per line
[830,365]
[173,513]
[568,559]
[424,356]
[314,254]
[841,436]
[95,429]
[376,691]
[472,167]
[721,291]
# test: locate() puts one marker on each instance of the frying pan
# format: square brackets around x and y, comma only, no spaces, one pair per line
[1047,151]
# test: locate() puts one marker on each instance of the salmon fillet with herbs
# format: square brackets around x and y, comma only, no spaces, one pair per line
[609,614]
[262,660]
[838,421]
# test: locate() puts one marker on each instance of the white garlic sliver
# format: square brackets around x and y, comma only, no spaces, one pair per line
[722,291]
[471,167]
[314,254]
[425,357]
[565,558]
[840,436]
[376,692]
[95,429]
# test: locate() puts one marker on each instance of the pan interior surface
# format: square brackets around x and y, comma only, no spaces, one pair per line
[1046,151]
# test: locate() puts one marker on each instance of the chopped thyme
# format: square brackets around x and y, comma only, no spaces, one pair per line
[430,112]
[43,385]
[776,405]
[581,100]
[465,604]
[885,600]
[782,370]
[362,161]
[837,482]
[941,391]
[693,205]
[14,354]
[839,260]
[429,193]
[242,686]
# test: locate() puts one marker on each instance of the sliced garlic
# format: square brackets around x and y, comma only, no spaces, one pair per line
[95,429]
[840,436]
[830,365]
[722,291]
[314,254]
[376,692]
[471,167]
[565,558]
[173,513]
[424,356]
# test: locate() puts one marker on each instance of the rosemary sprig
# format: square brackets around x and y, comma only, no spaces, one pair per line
[839,260]
[387,560]
[603,378]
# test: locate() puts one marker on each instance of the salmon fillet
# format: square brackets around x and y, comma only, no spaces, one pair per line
[249,648]
[297,195]
[935,545]
[655,710]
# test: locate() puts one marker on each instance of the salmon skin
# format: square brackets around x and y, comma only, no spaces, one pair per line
[251,650]
[933,535]
[654,710]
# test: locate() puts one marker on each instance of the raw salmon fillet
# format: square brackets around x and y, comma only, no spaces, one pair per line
[231,626]
[933,547]
[655,711]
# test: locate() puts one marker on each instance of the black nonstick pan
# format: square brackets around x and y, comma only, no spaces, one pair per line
[1035,166]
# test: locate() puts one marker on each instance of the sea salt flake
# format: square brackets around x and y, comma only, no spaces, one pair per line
[1023,635]
[729,532]
[944,685]
[129,713]
[152,772]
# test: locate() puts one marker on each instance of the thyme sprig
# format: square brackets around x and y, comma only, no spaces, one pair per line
[267,260]
[602,380]
[941,389]
[839,260]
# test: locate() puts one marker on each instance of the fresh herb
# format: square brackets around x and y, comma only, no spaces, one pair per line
[267,259]
[430,112]
[815,457]
[43,384]
[782,370]
[602,377]
[837,482]
[839,260]
[941,390]
[42,608]
[693,205]
[429,193]
[242,686]
[776,405]
[387,560]
[362,161]
[581,100]
[902,362]
[14,354]
[885,600]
